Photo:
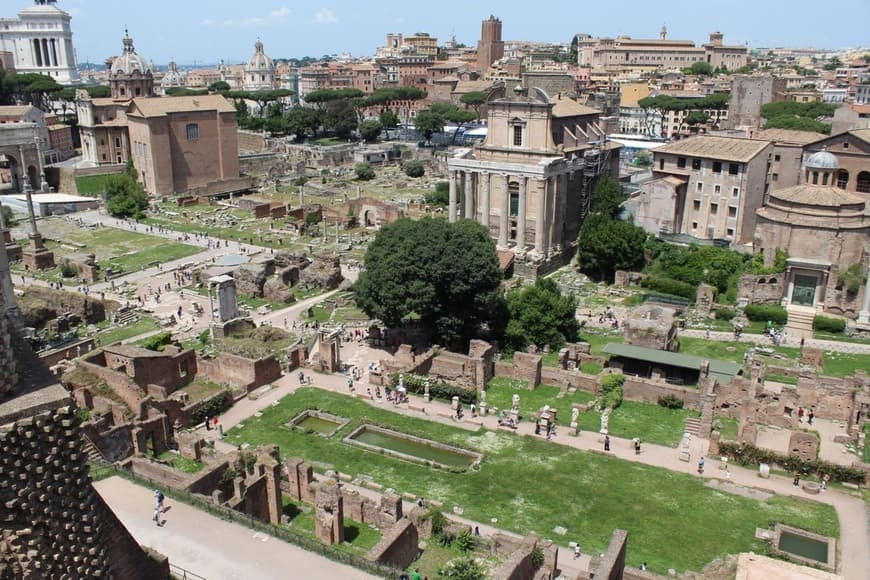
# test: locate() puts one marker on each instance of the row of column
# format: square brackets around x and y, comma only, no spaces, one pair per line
[46,50]
[549,211]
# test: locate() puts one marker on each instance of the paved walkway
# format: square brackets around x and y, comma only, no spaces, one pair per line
[211,547]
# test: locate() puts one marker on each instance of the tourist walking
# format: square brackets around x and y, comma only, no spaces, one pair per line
[160,497]
[800,414]
[607,442]
[825,479]
[810,416]
[637,446]
[797,479]
[576,551]
[157,516]
[701,465]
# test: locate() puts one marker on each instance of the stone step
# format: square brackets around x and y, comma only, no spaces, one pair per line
[692,426]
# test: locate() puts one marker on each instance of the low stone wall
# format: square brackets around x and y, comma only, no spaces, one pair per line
[240,371]
[205,482]
[612,564]
[121,384]
[69,351]
[565,379]
[398,547]
[162,475]
[523,367]
[650,391]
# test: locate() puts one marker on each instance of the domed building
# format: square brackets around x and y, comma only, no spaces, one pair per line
[260,71]
[130,75]
[823,228]
[172,78]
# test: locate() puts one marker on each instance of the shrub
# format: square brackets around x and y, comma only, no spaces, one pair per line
[537,557]
[669,286]
[212,408]
[763,313]
[671,402]
[157,342]
[441,195]
[437,390]
[365,171]
[828,324]
[750,456]
[611,390]
[724,314]
[415,169]
[465,542]
[204,337]
[67,270]
[851,278]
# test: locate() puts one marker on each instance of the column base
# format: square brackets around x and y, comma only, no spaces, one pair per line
[863,321]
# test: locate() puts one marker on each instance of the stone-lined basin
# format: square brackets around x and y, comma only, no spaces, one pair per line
[321,423]
[805,547]
[411,448]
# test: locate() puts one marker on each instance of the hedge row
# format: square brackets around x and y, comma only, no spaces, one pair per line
[725,314]
[828,324]
[763,313]
[669,286]
[750,456]
[437,390]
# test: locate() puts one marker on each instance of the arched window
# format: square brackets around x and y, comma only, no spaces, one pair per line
[192,131]
[842,178]
[863,182]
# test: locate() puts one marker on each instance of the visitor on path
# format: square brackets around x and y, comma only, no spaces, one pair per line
[643,567]
[157,517]
[160,497]
[420,502]
[473,410]
[416,574]
[207,423]
[636,446]
[701,465]
[797,479]
[800,414]
[810,416]
[576,551]
[477,531]
[607,442]
[825,479]
[301,376]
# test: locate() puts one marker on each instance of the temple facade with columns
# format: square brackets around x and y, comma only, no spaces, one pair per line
[529,182]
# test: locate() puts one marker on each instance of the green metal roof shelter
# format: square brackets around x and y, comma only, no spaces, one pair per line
[723,371]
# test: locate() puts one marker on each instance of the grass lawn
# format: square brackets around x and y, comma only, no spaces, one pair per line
[358,538]
[784,379]
[180,463]
[92,184]
[201,388]
[729,428]
[839,364]
[116,333]
[129,251]
[652,423]
[532,485]
[433,558]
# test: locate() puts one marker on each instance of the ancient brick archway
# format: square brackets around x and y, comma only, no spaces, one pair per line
[20,157]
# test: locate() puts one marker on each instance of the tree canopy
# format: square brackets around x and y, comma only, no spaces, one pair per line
[798,116]
[475,100]
[607,245]
[607,196]
[429,122]
[699,68]
[446,274]
[125,197]
[370,129]
[539,314]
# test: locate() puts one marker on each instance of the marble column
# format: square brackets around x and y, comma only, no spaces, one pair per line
[864,314]
[541,227]
[521,218]
[451,204]
[468,195]
[484,210]
[504,218]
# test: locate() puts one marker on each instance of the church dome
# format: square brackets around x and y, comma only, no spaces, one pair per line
[259,61]
[129,61]
[172,78]
[822,160]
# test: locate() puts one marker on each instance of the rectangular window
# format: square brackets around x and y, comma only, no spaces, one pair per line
[696,164]
[694,225]
[681,162]
[518,136]
[776,157]
[717,167]
[774,176]
[192,131]
[732,211]
[661,164]
[730,232]
[733,168]
[700,187]
[717,188]
[735,192]
[696,205]
[117,142]
[714,208]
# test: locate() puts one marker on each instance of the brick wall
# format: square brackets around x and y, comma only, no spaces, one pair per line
[649,391]
[240,371]
[398,547]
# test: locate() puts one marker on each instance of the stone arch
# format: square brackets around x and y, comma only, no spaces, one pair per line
[369,218]
[10,172]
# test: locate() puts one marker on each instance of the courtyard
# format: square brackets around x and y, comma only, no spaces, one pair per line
[528,484]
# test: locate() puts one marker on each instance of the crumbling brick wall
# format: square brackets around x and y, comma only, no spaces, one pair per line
[398,547]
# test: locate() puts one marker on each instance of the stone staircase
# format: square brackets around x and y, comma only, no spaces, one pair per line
[692,426]
[92,451]
[126,317]
[800,321]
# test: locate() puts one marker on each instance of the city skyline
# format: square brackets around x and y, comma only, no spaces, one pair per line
[227,31]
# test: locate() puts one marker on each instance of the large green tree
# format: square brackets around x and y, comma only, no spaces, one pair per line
[445,273]
[607,245]
[539,314]
[428,122]
[607,196]
[124,196]
[475,100]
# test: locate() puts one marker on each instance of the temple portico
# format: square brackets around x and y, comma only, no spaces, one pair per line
[529,182]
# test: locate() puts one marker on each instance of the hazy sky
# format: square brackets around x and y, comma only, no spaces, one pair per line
[207,31]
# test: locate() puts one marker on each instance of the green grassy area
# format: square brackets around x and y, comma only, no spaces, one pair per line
[728,428]
[591,368]
[839,364]
[321,314]
[785,379]
[433,558]
[201,388]
[92,185]
[358,538]
[116,333]
[652,423]
[530,484]
[180,463]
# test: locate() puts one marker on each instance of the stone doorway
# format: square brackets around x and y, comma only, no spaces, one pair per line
[804,292]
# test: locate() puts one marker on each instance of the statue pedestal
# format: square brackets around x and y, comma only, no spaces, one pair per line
[574,428]
[483,409]
[36,256]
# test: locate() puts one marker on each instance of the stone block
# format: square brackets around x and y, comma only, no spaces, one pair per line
[803,445]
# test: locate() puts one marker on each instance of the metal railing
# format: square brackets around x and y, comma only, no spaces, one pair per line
[180,573]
